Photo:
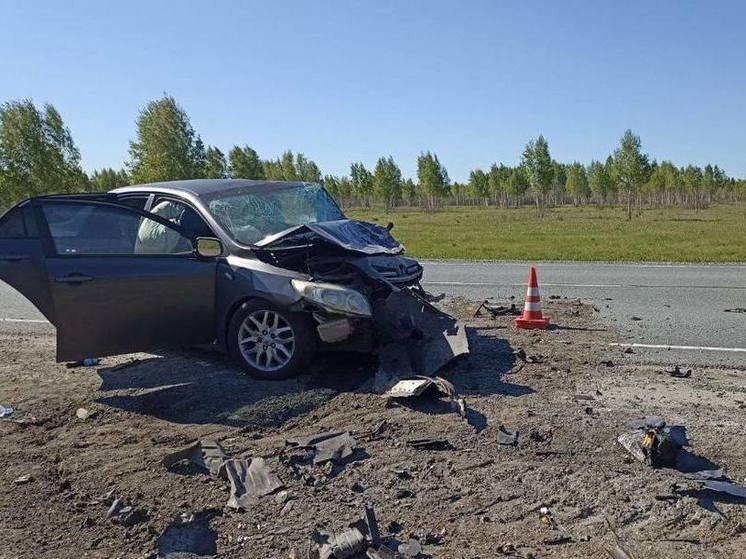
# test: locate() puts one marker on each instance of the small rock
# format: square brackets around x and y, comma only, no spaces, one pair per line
[404,494]
[84,414]
[281,497]
[115,508]
[23,479]
[287,508]
[357,487]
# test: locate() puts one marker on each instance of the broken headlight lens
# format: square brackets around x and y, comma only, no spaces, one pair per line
[334,298]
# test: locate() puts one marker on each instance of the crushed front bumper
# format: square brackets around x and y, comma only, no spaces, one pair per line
[415,336]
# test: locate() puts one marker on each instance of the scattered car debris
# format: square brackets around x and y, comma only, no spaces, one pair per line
[705,474]
[24,479]
[635,318]
[187,536]
[653,445]
[339,545]
[559,540]
[87,362]
[250,480]
[421,386]
[382,552]
[628,350]
[349,542]
[329,446]
[426,537]
[370,519]
[422,337]
[676,372]
[608,363]
[728,487]
[207,454]
[412,548]
[126,515]
[496,311]
[409,388]
[430,444]
[6,411]
[506,438]
[520,353]
[739,310]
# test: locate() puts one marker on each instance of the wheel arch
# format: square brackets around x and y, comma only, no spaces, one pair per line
[228,316]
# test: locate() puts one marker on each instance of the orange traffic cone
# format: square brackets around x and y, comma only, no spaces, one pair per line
[532,317]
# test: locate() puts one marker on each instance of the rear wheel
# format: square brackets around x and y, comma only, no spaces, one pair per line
[270,343]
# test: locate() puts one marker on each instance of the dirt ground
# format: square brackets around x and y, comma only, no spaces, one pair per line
[477,499]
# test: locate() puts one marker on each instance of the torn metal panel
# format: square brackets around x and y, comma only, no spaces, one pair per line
[373,531]
[430,337]
[506,438]
[331,445]
[409,388]
[335,448]
[430,444]
[339,545]
[250,480]
[705,474]
[207,454]
[653,446]
[726,487]
[311,440]
[419,386]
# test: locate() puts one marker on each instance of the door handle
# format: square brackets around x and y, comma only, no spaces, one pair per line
[13,257]
[73,279]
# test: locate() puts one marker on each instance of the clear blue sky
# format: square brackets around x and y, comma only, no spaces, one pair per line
[345,81]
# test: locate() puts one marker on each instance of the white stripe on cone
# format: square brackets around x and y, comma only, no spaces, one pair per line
[532,306]
[533,292]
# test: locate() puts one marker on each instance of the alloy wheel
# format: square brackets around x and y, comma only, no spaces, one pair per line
[266,340]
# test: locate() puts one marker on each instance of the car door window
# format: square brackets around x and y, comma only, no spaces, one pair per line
[183,215]
[18,223]
[99,229]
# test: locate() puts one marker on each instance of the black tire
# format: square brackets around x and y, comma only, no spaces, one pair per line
[303,334]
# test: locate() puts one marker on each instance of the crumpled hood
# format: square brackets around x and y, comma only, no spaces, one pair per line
[350,234]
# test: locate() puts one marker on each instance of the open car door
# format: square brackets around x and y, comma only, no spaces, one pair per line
[22,257]
[121,280]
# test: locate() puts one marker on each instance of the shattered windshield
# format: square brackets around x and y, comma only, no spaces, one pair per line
[253,213]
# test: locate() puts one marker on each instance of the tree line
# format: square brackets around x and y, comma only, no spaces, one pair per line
[38,156]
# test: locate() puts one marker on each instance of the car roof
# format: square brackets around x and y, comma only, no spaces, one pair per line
[204,187]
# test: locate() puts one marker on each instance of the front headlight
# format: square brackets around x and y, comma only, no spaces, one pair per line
[334,298]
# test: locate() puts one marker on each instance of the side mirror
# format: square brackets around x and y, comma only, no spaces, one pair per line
[390,225]
[207,247]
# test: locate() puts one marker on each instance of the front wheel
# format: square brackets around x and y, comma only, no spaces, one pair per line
[270,343]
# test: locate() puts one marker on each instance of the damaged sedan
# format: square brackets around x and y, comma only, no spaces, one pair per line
[271,272]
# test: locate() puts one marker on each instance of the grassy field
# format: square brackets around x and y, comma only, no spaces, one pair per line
[717,234]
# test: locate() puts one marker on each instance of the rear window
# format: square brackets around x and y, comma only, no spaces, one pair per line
[18,223]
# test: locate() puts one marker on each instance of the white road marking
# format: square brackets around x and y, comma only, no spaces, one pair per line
[612,285]
[491,284]
[683,347]
[32,320]
[581,263]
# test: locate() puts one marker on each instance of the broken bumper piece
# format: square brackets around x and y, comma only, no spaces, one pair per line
[416,337]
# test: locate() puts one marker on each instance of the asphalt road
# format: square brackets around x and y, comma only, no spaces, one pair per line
[679,305]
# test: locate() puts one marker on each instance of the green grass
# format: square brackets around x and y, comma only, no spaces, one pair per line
[716,234]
